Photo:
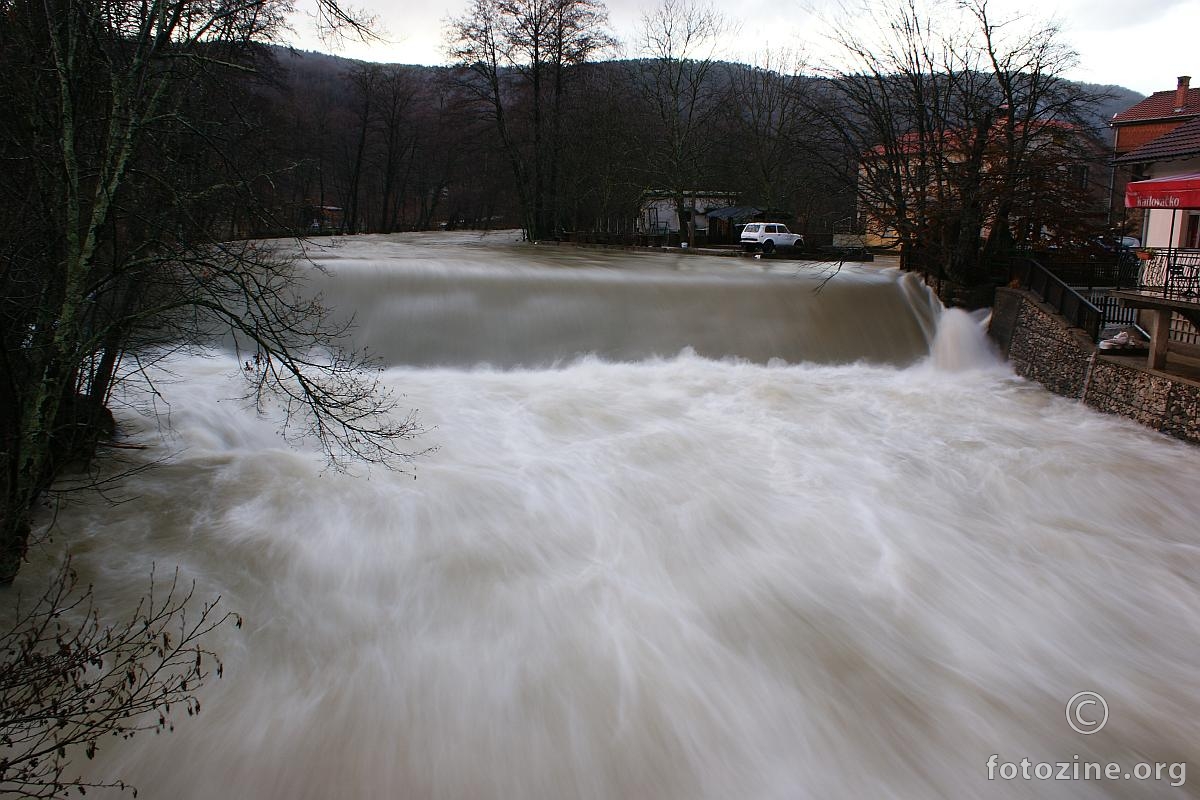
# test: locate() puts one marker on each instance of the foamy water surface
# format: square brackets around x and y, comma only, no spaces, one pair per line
[677,574]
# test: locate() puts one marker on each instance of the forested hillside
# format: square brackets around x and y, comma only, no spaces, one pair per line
[359,147]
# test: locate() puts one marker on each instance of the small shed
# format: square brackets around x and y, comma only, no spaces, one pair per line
[725,224]
[659,213]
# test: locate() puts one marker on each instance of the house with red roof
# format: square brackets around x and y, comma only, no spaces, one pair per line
[1159,139]
[1156,167]
[1041,169]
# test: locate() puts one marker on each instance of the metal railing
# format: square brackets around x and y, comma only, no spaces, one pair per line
[1175,271]
[1115,269]
[1076,308]
[1111,307]
[1110,273]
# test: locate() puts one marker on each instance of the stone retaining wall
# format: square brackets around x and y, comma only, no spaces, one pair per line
[1041,346]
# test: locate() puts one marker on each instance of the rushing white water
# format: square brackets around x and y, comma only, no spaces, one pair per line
[666,576]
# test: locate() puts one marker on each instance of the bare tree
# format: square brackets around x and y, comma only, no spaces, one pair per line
[365,80]
[768,112]
[516,57]
[603,181]
[945,111]
[396,97]
[773,139]
[69,681]
[1044,124]
[115,200]
[884,109]
[679,80]
[129,157]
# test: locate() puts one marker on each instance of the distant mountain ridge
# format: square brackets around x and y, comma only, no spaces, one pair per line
[310,62]
[1117,99]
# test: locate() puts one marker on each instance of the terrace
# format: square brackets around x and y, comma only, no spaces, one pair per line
[1169,291]
[1168,294]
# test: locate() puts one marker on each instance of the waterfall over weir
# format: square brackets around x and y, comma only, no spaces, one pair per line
[690,531]
[551,305]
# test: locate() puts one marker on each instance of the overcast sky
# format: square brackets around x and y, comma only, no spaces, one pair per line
[1143,46]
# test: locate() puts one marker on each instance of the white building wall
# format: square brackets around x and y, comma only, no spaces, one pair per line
[1166,228]
[1158,230]
[661,211]
[1165,169]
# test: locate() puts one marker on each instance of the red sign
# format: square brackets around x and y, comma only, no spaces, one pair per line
[1177,191]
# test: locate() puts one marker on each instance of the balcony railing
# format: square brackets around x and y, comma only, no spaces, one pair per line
[1175,272]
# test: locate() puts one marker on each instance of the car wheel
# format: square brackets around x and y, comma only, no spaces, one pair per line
[768,247]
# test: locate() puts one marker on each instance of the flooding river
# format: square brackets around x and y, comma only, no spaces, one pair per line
[691,530]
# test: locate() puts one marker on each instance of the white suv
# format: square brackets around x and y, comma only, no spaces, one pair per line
[767,236]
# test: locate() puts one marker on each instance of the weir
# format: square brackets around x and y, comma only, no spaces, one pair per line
[747,547]
[507,306]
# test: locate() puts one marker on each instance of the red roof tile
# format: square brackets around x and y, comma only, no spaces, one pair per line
[1160,105]
[1182,142]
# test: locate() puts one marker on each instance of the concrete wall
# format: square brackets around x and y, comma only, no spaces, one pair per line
[1042,347]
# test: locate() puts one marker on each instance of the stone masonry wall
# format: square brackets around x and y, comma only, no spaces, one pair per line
[1041,346]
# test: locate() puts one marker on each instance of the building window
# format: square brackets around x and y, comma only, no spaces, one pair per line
[1079,175]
